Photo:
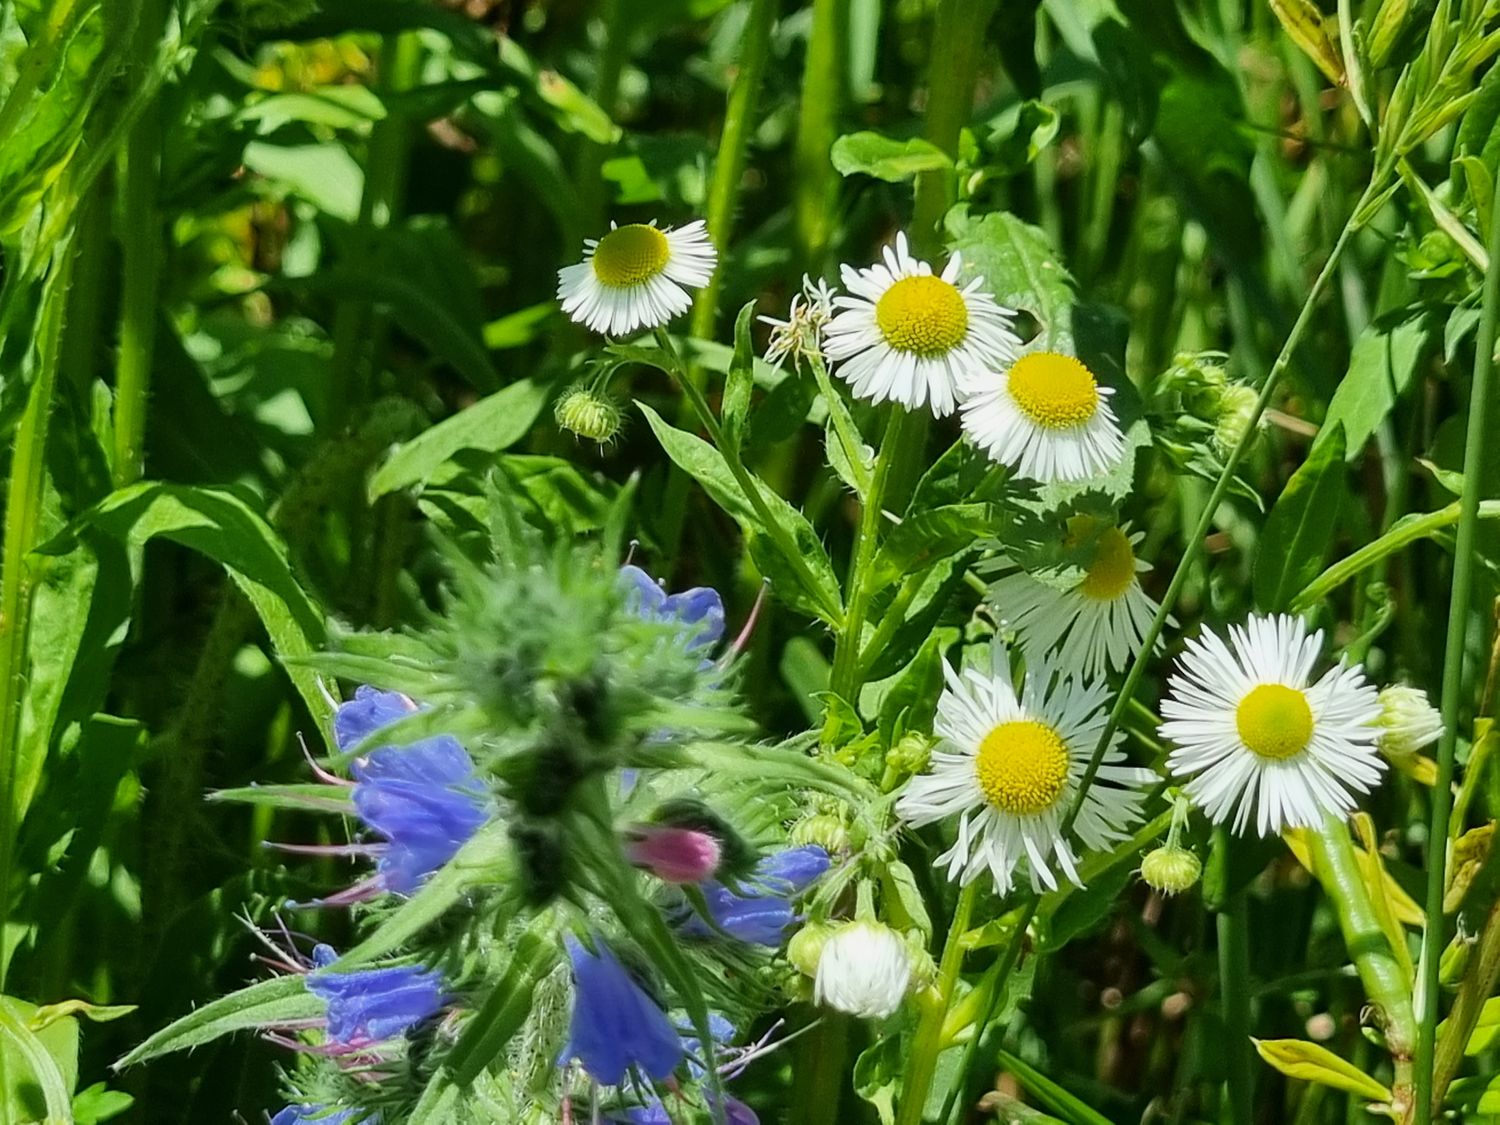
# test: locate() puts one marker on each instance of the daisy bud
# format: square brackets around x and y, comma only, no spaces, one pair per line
[863,970]
[1407,721]
[923,967]
[674,855]
[806,947]
[1236,409]
[588,414]
[1171,870]
[827,830]
[911,754]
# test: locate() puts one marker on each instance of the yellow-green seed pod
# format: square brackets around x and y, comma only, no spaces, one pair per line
[1171,870]
[806,947]
[911,754]
[1236,408]
[827,830]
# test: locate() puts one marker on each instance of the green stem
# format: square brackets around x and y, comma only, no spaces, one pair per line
[141,255]
[1453,664]
[958,41]
[1474,991]
[820,1071]
[723,194]
[929,1037]
[606,92]
[845,676]
[748,484]
[1403,534]
[23,515]
[1381,974]
[1234,990]
[357,332]
[814,179]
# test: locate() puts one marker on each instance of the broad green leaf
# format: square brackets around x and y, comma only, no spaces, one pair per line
[810,586]
[922,539]
[98,1103]
[912,699]
[1054,1098]
[1381,367]
[267,1003]
[1309,1062]
[741,378]
[39,1067]
[1022,133]
[1020,268]
[492,424]
[220,525]
[877,1075]
[1300,529]
[1486,1028]
[885,158]
[323,174]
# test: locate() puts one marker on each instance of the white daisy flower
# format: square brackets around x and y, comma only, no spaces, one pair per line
[1254,735]
[1099,624]
[636,276]
[1008,767]
[1047,417]
[907,336]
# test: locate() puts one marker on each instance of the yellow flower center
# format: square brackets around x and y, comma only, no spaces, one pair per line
[923,314]
[1057,392]
[627,256]
[1022,767]
[1113,568]
[1274,721]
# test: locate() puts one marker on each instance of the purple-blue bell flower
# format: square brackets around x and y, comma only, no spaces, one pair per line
[699,611]
[316,1115]
[370,1005]
[424,798]
[760,910]
[615,1024]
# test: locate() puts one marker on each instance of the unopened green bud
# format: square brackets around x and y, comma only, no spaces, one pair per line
[1236,411]
[586,412]
[923,967]
[1171,870]
[827,830]
[911,754]
[806,947]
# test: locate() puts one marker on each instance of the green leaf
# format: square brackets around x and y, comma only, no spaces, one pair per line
[877,1075]
[1021,133]
[220,525]
[886,159]
[1311,1063]
[494,423]
[1381,367]
[337,107]
[1486,1028]
[98,1103]
[737,387]
[39,1068]
[1300,529]
[902,899]
[267,1003]
[923,539]
[811,588]
[98,1013]
[912,699]
[323,174]
[503,1011]
[1020,267]
[1053,1097]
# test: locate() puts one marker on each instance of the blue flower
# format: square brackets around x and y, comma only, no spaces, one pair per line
[760,910]
[423,798]
[369,1005]
[699,611]
[736,1112]
[615,1024]
[315,1115]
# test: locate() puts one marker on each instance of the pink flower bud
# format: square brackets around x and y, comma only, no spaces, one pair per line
[674,855]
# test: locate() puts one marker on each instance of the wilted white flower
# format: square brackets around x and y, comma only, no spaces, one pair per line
[636,276]
[1407,721]
[863,969]
[1254,734]
[799,334]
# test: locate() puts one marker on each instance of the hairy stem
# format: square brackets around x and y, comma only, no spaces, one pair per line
[1433,933]
[929,1037]
[817,125]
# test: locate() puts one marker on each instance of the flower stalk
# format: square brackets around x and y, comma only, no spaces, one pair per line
[1434,932]
[929,1037]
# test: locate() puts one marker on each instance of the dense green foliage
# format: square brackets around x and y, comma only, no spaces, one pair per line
[291,406]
